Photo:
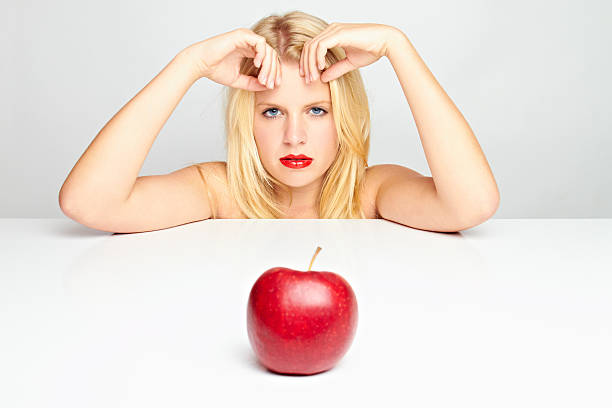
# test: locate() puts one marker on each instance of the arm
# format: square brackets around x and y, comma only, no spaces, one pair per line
[462,177]
[104,176]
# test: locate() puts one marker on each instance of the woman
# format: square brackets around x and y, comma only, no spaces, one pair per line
[299,111]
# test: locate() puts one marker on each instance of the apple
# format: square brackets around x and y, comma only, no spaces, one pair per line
[301,322]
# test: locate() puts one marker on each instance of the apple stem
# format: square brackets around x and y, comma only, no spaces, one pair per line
[314,256]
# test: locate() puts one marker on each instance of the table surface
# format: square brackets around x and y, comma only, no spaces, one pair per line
[511,313]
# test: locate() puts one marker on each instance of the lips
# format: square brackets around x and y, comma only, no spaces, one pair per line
[296,162]
[294,157]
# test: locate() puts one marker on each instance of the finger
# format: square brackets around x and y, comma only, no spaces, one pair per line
[327,40]
[324,45]
[261,54]
[311,65]
[262,69]
[312,61]
[278,72]
[265,66]
[273,69]
[337,70]
[260,47]
[320,54]
[302,61]
[305,63]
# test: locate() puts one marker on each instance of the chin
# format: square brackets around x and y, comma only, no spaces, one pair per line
[296,178]
[296,181]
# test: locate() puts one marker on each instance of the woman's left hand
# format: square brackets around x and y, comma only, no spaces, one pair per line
[362,43]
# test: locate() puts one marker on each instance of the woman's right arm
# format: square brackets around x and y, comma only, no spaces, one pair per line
[103,189]
[104,176]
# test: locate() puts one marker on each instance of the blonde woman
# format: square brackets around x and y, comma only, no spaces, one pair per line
[298,135]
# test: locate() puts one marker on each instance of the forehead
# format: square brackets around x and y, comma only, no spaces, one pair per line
[293,89]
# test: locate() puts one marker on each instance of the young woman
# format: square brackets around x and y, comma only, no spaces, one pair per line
[297,126]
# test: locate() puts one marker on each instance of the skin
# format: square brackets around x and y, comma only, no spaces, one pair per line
[283,125]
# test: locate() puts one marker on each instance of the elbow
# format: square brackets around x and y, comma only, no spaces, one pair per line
[63,202]
[64,199]
[471,219]
[486,213]
[67,204]
[70,207]
[492,206]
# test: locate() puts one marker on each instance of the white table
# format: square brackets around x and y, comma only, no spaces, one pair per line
[512,313]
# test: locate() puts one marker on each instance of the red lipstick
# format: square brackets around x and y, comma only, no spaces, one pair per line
[294,157]
[296,162]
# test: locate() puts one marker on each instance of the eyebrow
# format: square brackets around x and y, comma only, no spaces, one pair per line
[310,104]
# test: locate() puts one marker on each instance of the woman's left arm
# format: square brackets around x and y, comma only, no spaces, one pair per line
[459,169]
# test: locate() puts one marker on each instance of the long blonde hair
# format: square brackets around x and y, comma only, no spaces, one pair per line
[249,183]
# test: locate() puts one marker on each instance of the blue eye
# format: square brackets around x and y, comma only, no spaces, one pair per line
[322,110]
[267,110]
[321,113]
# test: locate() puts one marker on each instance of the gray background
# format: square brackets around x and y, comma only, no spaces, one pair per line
[529,77]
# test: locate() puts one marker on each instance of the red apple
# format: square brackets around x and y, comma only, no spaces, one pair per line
[301,322]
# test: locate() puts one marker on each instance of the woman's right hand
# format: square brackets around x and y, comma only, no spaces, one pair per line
[218,58]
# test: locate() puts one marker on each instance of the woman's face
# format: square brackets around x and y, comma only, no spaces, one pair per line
[295,118]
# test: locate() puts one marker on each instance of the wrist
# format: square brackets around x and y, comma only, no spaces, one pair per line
[398,42]
[188,64]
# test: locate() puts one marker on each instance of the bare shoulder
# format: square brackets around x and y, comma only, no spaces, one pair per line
[218,168]
[380,172]
[378,177]
[375,176]
[214,175]
[212,178]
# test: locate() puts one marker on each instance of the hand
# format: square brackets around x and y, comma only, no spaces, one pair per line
[363,44]
[218,58]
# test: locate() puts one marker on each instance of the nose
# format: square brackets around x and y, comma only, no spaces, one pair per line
[295,131]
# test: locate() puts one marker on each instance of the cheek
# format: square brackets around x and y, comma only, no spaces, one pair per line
[263,142]
[263,129]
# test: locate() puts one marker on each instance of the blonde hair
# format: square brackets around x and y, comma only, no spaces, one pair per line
[249,183]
